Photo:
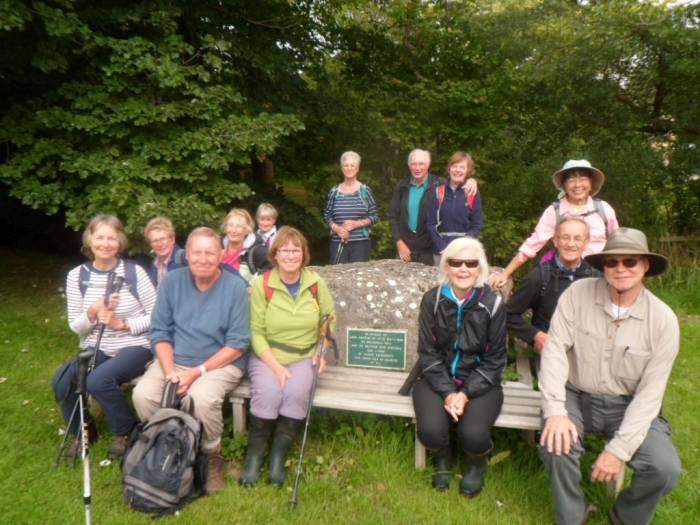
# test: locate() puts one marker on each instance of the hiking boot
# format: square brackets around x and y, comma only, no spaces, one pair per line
[259,432]
[442,461]
[215,472]
[118,447]
[473,478]
[285,432]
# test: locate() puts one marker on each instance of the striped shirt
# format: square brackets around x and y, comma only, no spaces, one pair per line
[341,207]
[136,313]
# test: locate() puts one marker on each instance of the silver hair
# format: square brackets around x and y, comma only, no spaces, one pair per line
[350,155]
[461,244]
[417,150]
[573,219]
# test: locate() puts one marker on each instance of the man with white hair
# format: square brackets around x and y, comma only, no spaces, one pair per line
[407,210]
[608,356]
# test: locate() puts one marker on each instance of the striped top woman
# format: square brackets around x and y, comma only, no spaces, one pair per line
[125,313]
[350,212]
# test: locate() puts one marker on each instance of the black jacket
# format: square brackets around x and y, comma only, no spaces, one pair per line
[398,215]
[477,341]
[531,295]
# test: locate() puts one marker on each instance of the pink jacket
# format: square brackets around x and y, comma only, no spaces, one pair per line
[548,222]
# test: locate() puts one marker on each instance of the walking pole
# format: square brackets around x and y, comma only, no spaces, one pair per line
[325,334]
[341,247]
[84,360]
[114,284]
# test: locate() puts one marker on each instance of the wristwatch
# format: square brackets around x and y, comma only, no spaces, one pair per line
[202,370]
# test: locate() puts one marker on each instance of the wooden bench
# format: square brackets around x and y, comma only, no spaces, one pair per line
[375,392]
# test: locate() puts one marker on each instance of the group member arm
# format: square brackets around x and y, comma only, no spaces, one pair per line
[544,231]
[648,397]
[327,308]
[372,214]
[138,324]
[476,224]
[525,298]
[431,219]
[431,359]
[489,372]
[339,230]
[559,432]
[395,222]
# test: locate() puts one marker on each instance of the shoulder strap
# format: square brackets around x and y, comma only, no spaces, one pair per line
[440,194]
[544,276]
[600,210]
[557,213]
[130,278]
[83,279]
[437,300]
[269,291]
[181,257]
[364,196]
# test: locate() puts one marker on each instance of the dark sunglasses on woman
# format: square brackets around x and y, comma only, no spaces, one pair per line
[469,263]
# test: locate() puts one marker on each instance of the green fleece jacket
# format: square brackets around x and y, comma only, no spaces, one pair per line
[288,325]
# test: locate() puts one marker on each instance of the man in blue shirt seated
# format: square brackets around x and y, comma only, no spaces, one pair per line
[200,331]
[539,291]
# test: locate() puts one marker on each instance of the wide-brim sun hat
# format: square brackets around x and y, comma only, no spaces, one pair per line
[628,241]
[597,176]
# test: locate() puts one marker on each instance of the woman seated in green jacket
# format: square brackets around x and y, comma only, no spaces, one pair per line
[287,305]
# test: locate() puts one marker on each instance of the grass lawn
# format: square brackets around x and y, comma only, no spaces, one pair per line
[357,469]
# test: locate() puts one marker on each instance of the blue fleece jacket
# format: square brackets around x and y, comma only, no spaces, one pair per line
[198,324]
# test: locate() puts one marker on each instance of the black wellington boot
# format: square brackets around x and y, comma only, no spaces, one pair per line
[473,478]
[285,432]
[259,431]
[442,461]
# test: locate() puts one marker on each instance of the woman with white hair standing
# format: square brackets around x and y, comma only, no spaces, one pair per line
[350,212]
[461,357]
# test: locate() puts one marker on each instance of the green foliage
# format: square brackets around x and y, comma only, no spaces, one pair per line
[162,107]
[147,115]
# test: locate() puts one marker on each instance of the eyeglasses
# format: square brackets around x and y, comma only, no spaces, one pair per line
[469,263]
[236,226]
[627,263]
[290,253]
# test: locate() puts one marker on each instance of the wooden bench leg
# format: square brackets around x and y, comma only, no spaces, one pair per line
[240,425]
[420,452]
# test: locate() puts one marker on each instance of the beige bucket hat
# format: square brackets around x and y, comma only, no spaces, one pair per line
[597,176]
[628,241]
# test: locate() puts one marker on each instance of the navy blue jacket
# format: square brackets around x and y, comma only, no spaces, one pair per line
[454,216]
[178,260]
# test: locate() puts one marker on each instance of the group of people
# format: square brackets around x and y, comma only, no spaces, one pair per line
[246,304]
[199,320]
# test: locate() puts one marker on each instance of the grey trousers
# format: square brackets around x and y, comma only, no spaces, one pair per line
[656,464]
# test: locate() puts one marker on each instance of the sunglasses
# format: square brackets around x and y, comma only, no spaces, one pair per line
[469,263]
[627,263]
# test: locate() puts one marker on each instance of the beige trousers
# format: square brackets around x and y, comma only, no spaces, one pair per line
[208,393]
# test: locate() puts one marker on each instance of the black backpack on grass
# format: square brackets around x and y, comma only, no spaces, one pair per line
[164,468]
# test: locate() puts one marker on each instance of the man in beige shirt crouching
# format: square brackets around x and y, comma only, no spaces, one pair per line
[604,369]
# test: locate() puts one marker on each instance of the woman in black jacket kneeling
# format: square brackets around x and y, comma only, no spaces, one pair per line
[461,354]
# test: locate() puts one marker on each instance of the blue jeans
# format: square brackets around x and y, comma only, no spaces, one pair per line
[103,384]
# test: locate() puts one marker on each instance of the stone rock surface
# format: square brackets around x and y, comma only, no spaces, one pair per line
[383,295]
